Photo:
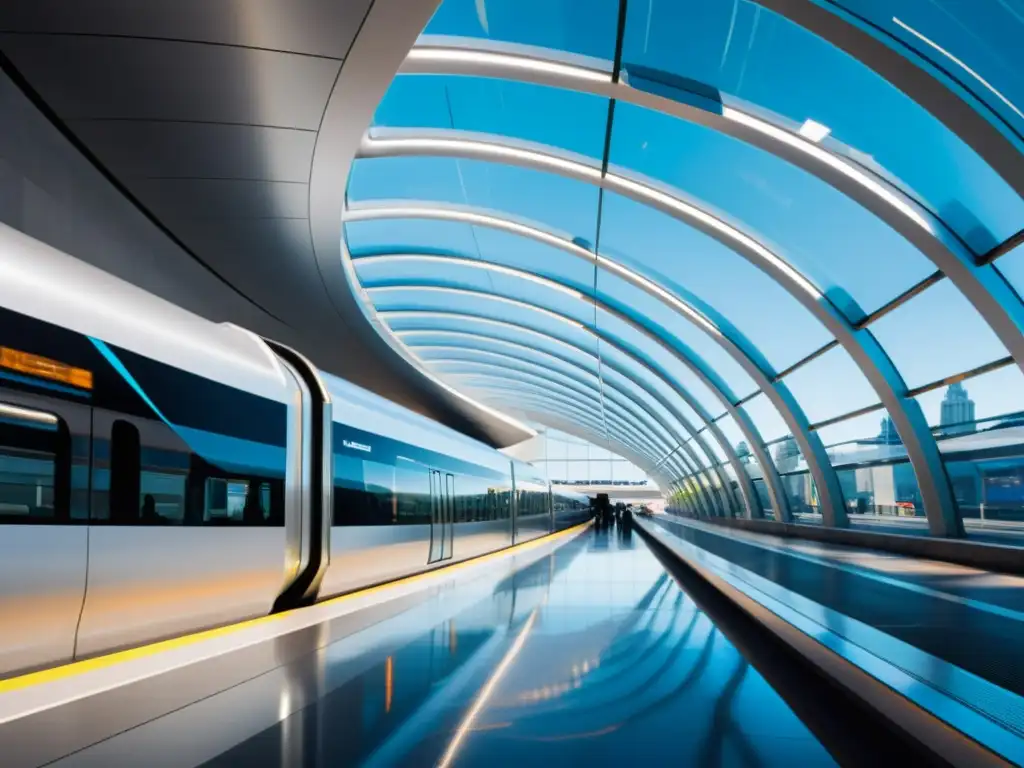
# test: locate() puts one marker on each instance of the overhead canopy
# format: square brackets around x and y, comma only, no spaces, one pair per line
[751,244]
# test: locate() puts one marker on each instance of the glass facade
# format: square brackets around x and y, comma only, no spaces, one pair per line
[686,235]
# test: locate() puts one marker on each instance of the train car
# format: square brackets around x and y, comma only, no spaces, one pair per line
[568,507]
[161,473]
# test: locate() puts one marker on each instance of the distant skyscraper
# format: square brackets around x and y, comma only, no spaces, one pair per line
[742,449]
[957,410]
[787,455]
[888,435]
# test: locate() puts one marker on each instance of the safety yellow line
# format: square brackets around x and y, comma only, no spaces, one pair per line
[101,662]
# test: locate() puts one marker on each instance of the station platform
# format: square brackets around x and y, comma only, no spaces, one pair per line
[594,646]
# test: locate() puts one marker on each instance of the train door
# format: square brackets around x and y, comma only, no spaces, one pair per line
[442,496]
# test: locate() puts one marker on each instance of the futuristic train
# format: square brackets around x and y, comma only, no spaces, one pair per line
[161,473]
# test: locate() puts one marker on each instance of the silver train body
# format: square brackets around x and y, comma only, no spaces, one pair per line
[162,474]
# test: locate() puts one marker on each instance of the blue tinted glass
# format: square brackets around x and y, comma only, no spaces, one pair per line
[552,116]
[739,443]
[503,188]
[476,243]
[430,304]
[766,418]
[385,236]
[824,234]
[623,334]
[863,439]
[688,262]
[889,489]
[587,27]
[935,334]
[666,322]
[999,393]
[976,42]
[754,55]
[830,385]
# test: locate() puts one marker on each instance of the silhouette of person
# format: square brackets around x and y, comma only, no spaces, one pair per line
[149,513]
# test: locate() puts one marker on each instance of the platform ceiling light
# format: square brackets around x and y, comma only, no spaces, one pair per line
[811,130]
[476,294]
[484,150]
[687,210]
[492,151]
[464,56]
[467,217]
[814,131]
[475,336]
[850,171]
[473,264]
[960,63]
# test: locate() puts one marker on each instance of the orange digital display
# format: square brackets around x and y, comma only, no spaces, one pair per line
[44,368]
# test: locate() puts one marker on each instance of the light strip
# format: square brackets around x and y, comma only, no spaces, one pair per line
[486,692]
[435,55]
[962,65]
[475,264]
[27,414]
[470,217]
[476,294]
[490,150]
[851,172]
[660,292]
[484,150]
[687,210]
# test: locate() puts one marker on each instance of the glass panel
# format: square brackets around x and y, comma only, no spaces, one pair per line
[937,334]
[787,456]
[655,355]
[691,264]
[457,275]
[751,54]
[775,202]
[553,116]
[766,418]
[739,443]
[435,301]
[830,385]
[802,494]
[667,324]
[366,238]
[521,192]
[977,43]
[496,338]
[714,445]
[586,28]
[863,439]
[522,360]
[977,404]
[888,489]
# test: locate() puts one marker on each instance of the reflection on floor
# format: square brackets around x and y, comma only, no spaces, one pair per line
[592,655]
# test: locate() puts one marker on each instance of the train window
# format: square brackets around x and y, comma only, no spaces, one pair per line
[35,466]
[237,502]
[363,492]
[412,494]
[125,470]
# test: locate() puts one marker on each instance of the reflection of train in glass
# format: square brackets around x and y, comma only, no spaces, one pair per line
[161,473]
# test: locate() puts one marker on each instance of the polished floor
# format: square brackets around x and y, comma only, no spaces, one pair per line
[592,655]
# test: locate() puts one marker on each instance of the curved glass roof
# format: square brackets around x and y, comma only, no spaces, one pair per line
[713,235]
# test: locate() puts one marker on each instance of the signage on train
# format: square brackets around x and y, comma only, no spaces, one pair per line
[357,446]
[44,368]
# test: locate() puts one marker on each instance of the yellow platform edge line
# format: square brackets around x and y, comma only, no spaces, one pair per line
[75,668]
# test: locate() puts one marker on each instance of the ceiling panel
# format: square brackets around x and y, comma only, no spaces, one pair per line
[224,198]
[199,150]
[319,27]
[127,78]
